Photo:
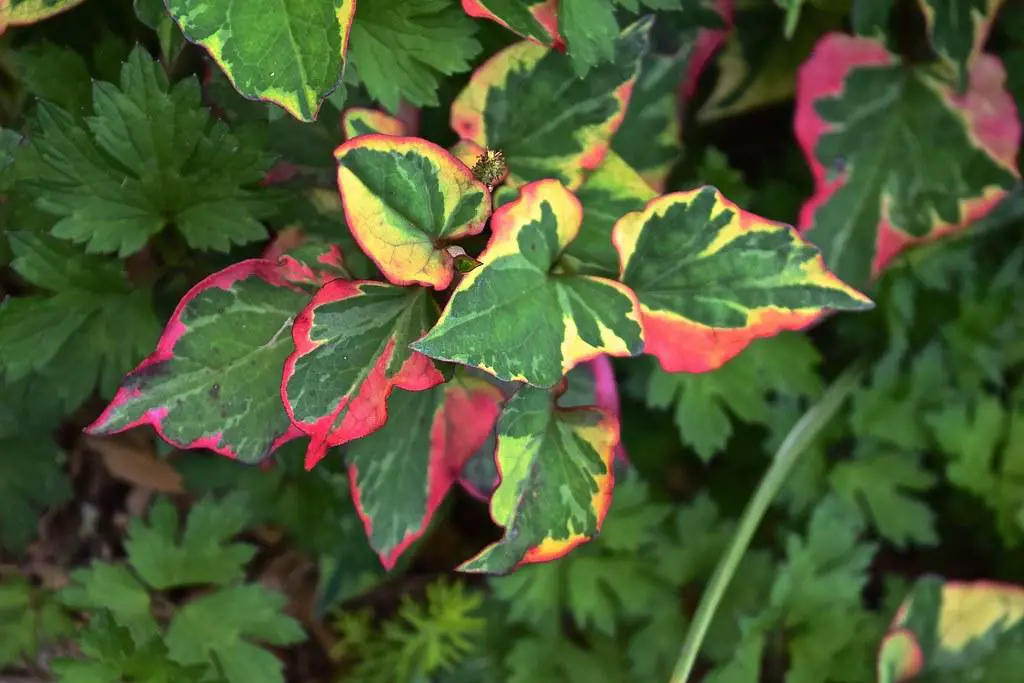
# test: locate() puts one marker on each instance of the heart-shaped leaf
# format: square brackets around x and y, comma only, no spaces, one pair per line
[898,157]
[555,484]
[351,349]
[288,53]
[213,380]
[528,102]
[712,277]
[520,319]
[404,199]
[402,472]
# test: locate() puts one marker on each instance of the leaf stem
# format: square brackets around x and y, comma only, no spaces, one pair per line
[799,437]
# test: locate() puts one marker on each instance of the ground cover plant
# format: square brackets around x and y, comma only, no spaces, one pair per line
[511,340]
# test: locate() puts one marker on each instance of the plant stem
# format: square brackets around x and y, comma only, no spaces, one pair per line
[799,437]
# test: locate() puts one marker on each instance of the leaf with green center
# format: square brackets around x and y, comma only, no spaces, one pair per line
[312,262]
[711,278]
[401,48]
[402,472]
[556,480]
[535,20]
[649,139]
[958,30]
[288,53]
[528,102]
[897,156]
[213,380]
[150,157]
[357,121]
[518,318]
[956,631]
[25,12]
[217,629]
[351,348]
[588,384]
[115,590]
[608,194]
[404,199]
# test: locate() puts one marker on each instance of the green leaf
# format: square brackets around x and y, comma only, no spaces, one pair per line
[91,331]
[556,480]
[213,381]
[32,480]
[405,199]
[401,473]
[958,30]
[30,619]
[590,29]
[712,277]
[517,317]
[510,101]
[897,156]
[148,158]
[201,553]
[351,348]
[955,630]
[778,366]
[291,54]
[401,48]
[885,483]
[222,629]
[115,590]
[57,74]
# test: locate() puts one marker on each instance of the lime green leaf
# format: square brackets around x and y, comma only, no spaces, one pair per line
[897,156]
[291,54]
[958,30]
[556,480]
[30,619]
[149,157]
[222,629]
[404,199]
[508,105]
[609,193]
[590,29]
[536,20]
[207,385]
[113,589]
[712,277]
[401,48]
[24,12]
[363,121]
[91,331]
[885,483]
[519,319]
[351,348]
[166,557]
[960,630]
[401,473]
[780,366]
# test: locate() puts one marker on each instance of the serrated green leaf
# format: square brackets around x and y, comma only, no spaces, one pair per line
[879,186]
[53,73]
[509,101]
[223,628]
[519,319]
[30,619]
[115,590]
[711,278]
[291,54]
[32,479]
[589,28]
[401,48]
[207,385]
[149,157]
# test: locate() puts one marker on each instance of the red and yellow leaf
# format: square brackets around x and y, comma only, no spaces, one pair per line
[356,121]
[535,20]
[25,12]
[213,380]
[405,199]
[402,472]
[351,350]
[519,319]
[711,278]
[556,480]
[898,157]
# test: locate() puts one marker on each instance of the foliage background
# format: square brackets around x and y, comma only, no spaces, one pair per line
[921,473]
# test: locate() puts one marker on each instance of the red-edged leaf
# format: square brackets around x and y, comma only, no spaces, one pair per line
[707,43]
[356,121]
[306,261]
[214,377]
[535,20]
[711,278]
[404,200]
[401,472]
[898,156]
[351,349]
